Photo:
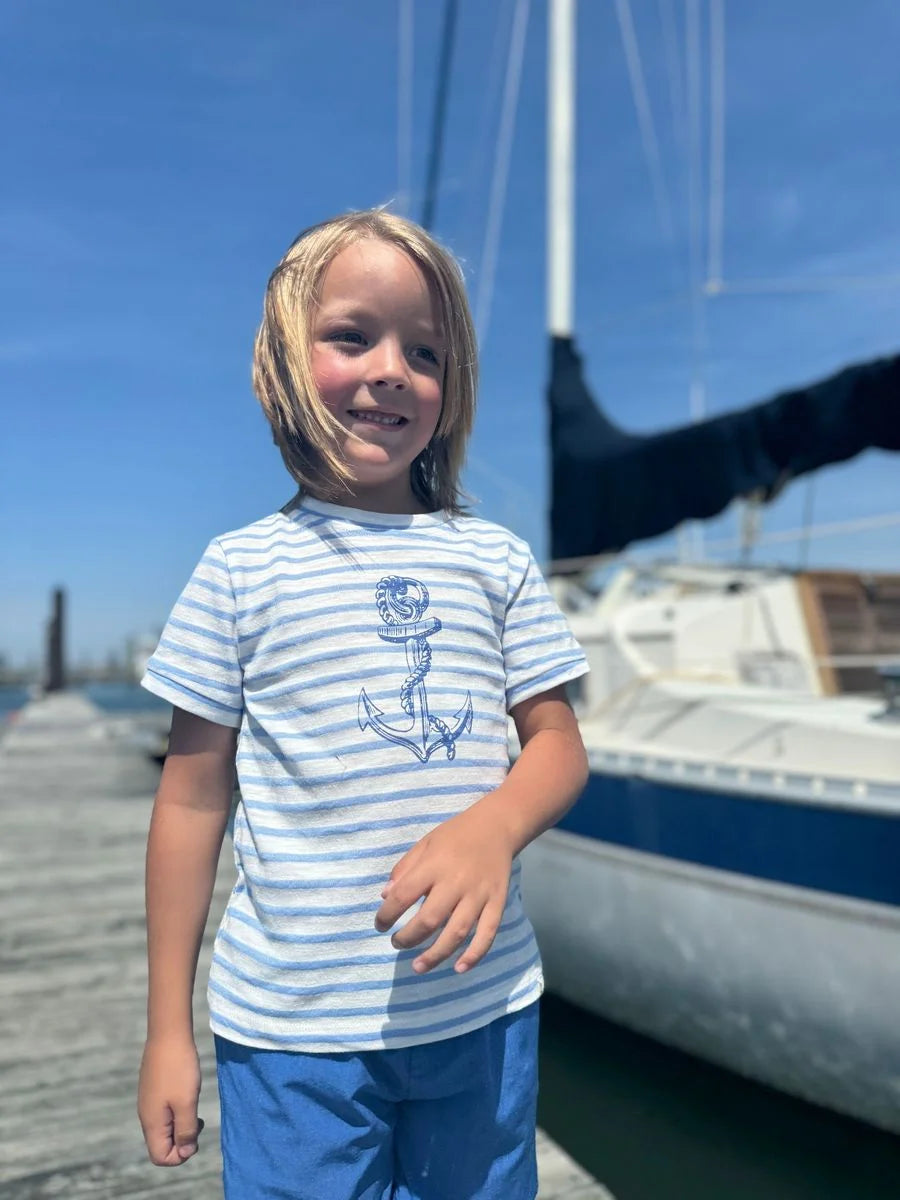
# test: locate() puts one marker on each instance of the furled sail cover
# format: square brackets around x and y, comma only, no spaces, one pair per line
[610,487]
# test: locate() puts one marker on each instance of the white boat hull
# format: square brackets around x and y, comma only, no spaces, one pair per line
[796,988]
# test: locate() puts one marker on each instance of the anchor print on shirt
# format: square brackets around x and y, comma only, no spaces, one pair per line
[401,604]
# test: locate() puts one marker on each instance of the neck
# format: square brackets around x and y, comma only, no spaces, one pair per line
[399,501]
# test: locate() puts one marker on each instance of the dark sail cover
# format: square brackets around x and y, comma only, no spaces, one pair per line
[610,487]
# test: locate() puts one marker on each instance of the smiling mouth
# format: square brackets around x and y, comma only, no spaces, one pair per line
[377,418]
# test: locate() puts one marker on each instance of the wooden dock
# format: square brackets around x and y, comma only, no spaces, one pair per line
[75,799]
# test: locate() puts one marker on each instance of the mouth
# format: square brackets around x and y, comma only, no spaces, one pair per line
[376,417]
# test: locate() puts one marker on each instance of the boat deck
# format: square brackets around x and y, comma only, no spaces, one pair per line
[75,799]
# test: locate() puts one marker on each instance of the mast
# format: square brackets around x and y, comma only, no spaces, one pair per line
[560,167]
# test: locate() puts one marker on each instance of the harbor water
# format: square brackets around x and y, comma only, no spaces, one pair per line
[649,1122]
[656,1124]
[11,700]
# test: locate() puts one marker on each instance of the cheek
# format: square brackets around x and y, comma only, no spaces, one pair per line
[333,377]
[430,395]
[433,402]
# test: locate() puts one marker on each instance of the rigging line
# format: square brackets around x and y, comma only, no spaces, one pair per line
[750,524]
[505,136]
[716,140]
[799,283]
[440,111]
[606,319]
[646,123]
[637,553]
[695,215]
[808,506]
[858,525]
[669,28]
[521,499]
[518,498]
[697,387]
[404,104]
[478,164]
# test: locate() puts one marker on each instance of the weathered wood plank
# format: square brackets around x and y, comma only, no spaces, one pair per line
[75,800]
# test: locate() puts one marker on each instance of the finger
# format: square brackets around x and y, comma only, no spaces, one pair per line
[488,924]
[160,1142]
[403,866]
[399,868]
[409,861]
[431,917]
[162,1149]
[402,895]
[457,929]
[187,1128]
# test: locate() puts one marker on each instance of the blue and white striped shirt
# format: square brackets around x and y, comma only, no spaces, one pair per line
[370,661]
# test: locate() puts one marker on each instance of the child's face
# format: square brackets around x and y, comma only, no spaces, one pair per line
[378,363]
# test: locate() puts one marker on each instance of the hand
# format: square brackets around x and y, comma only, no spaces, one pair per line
[462,868]
[167,1100]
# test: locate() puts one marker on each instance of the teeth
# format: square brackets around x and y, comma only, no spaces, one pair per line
[376,418]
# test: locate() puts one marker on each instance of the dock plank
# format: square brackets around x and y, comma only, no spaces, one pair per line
[75,801]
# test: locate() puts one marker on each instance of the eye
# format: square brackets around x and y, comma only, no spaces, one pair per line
[347,337]
[426,353]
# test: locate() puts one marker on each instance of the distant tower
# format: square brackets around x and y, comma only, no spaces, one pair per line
[56,670]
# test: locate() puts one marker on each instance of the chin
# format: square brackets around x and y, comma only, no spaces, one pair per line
[376,464]
[375,468]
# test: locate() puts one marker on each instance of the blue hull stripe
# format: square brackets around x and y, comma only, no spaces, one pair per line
[829,849]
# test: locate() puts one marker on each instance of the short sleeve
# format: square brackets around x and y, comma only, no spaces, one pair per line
[539,651]
[196,664]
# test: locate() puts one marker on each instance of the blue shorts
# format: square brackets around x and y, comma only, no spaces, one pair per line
[448,1120]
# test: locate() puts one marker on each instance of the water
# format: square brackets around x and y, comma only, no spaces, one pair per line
[125,698]
[655,1124]
[111,697]
[11,700]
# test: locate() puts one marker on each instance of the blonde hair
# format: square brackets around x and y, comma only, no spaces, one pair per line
[305,432]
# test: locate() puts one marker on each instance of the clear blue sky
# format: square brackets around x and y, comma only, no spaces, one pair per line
[158,158]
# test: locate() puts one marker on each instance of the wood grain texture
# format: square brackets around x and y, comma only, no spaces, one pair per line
[75,800]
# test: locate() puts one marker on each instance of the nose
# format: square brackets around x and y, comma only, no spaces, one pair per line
[388,366]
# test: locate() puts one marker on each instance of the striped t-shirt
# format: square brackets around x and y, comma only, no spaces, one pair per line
[369,661]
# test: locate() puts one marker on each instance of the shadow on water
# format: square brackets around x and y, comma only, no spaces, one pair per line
[655,1124]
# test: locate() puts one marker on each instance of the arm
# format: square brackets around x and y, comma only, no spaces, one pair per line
[550,773]
[186,830]
[463,866]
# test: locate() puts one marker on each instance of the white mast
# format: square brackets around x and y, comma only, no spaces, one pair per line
[560,167]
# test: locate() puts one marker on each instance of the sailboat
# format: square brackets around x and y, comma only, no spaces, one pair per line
[729,882]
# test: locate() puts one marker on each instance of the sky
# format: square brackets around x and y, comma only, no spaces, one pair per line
[159,157]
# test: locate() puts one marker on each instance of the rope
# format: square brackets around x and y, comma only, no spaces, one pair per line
[500,177]
[716,140]
[440,112]
[799,283]
[881,521]
[404,104]
[646,123]
[673,70]
[478,169]
[697,389]
[808,503]
[634,556]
